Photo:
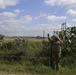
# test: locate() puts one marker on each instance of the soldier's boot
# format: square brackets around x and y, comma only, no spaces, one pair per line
[57,67]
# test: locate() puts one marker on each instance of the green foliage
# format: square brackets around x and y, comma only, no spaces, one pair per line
[45,53]
[69,47]
[34,56]
[46,48]
[15,51]
[1,37]
[21,50]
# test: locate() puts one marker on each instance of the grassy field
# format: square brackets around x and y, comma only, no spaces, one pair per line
[62,71]
[8,39]
[29,68]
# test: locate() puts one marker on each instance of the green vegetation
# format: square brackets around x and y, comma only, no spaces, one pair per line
[1,37]
[31,55]
[69,47]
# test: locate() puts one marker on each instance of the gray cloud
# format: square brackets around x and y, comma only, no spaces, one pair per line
[63,3]
[55,18]
[71,12]
[5,3]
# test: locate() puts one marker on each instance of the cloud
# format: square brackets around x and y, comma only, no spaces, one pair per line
[63,3]
[10,14]
[40,16]
[74,20]
[7,15]
[50,2]
[11,30]
[5,3]
[55,18]
[25,19]
[48,26]
[71,12]
[17,11]
[15,28]
[13,21]
[50,17]
[11,25]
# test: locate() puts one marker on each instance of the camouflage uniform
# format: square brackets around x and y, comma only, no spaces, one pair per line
[55,55]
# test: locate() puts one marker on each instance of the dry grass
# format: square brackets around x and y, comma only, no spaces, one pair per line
[8,39]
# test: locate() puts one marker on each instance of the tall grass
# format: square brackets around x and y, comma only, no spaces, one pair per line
[22,55]
[38,69]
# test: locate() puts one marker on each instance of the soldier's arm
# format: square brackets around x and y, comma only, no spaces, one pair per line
[49,38]
[61,41]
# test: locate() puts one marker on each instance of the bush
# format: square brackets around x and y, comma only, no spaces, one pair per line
[13,51]
[69,47]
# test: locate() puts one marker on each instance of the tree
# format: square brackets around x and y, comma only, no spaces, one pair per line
[1,37]
[69,46]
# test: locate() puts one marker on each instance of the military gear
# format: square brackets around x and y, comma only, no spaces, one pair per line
[56,47]
[55,52]
[55,55]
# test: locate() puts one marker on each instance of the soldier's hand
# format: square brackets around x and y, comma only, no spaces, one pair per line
[48,35]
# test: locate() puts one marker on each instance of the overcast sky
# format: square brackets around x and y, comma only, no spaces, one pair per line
[32,17]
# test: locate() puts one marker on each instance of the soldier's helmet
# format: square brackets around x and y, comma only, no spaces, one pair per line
[54,38]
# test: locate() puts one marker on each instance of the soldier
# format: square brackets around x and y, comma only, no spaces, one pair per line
[55,50]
